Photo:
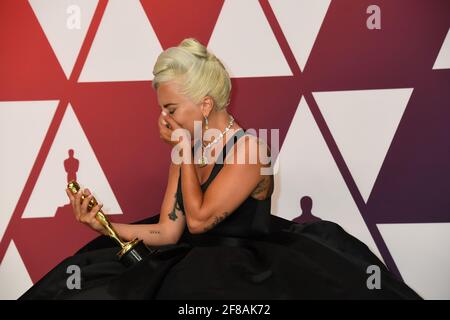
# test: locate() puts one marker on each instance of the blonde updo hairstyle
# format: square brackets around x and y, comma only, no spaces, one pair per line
[198,72]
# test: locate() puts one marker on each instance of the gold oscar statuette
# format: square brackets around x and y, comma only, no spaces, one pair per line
[132,251]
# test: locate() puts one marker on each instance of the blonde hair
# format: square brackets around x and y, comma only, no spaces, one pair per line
[198,72]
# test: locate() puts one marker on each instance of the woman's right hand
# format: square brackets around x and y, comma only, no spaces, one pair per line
[167,125]
[80,209]
[165,132]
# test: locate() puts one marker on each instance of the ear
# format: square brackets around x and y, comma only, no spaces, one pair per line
[207,105]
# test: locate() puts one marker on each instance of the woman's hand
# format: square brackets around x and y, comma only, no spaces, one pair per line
[167,125]
[80,210]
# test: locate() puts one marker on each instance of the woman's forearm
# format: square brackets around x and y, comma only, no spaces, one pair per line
[191,189]
[154,234]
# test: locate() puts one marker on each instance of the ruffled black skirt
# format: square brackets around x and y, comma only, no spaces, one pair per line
[317,260]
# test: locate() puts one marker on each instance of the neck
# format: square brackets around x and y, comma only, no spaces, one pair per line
[220,120]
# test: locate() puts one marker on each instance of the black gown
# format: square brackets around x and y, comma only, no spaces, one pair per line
[249,255]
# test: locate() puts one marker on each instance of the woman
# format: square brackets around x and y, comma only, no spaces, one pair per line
[215,236]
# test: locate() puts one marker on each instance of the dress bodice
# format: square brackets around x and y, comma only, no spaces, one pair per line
[251,218]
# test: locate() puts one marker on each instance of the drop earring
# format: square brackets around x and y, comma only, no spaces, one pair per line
[203,158]
[206,123]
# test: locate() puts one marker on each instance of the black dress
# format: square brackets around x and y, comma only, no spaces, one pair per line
[249,255]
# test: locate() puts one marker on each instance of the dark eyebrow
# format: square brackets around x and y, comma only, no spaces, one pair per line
[168,104]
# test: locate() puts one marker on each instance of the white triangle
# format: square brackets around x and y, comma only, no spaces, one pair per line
[14,277]
[125,47]
[300,21]
[307,168]
[243,40]
[58,20]
[49,192]
[23,126]
[421,253]
[443,59]
[363,124]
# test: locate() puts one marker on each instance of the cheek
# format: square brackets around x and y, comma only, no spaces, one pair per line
[186,119]
[180,118]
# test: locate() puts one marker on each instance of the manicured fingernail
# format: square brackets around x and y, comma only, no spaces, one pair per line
[164,113]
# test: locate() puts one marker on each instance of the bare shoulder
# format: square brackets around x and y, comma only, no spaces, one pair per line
[254,150]
[250,148]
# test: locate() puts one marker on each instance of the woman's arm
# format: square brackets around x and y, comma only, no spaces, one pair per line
[168,230]
[152,234]
[171,221]
[233,184]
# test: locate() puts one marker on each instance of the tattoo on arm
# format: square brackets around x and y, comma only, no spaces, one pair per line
[173,214]
[262,186]
[177,206]
[153,232]
[264,147]
[217,220]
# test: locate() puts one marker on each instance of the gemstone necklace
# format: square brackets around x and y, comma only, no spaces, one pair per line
[203,160]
